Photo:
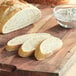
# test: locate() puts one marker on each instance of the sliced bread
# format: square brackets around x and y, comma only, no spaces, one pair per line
[30,45]
[47,48]
[17,16]
[13,44]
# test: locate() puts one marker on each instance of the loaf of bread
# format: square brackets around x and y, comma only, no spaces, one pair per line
[48,2]
[15,15]
[47,48]
[14,44]
[30,45]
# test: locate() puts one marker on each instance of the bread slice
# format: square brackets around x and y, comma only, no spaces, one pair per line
[30,45]
[47,48]
[19,15]
[15,43]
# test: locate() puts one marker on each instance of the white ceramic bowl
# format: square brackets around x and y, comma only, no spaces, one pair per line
[66,15]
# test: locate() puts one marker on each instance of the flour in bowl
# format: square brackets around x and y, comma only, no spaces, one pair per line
[66,16]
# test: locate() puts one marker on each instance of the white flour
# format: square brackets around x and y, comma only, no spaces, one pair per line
[66,14]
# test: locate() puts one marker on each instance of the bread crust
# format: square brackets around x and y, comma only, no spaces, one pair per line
[38,55]
[21,53]
[3,9]
[12,48]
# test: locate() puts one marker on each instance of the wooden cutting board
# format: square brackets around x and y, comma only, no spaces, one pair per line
[55,65]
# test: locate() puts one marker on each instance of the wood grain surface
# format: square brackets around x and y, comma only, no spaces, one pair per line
[55,65]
